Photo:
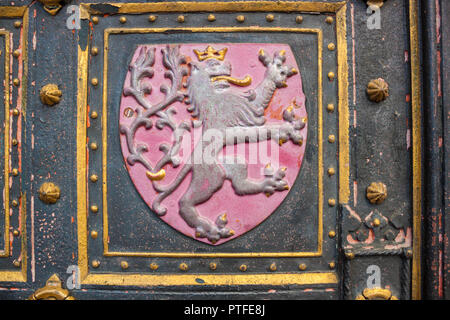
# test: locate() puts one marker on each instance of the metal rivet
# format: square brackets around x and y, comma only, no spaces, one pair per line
[17,24]
[50,94]
[94,81]
[124,265]
[152,18]
[243,267]
[16,233]
[331,202]
[331,171]
[183,266]
[15,112]
[409,253]
[377,90]
[330,107]
[240,18]
[94,208]
[95,20]
[350,255]
[15,172]
[270,18]
[331,138]
[14,142]
[153,266]
[376,192]
[94,51]
[15,203]
[181,19]
[94,178]
[211,18]
[331,75]
[299,19]
[94,146]
[123,19]
[329,20]
[273,267]
[16,263]
[302,266]
[331,46]
[332,234]
[95,263]
[213,266]
[16,53]
[332,265]
[16,82]
[94,115]
[49,192]
[94,234]
[376,222]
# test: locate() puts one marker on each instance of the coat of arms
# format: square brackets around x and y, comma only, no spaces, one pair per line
[216,148]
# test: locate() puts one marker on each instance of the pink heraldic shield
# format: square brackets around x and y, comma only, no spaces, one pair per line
[213,134]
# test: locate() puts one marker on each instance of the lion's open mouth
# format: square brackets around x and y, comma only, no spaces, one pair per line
[239,82]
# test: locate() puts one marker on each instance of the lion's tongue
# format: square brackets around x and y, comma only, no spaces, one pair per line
[243,83]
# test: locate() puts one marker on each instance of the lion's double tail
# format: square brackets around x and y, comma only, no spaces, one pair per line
[164,191]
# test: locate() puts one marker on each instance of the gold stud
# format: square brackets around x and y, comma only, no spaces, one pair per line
[183,266]
[350,255]
[332,234]
[302,266]
[95,263]
[16,53]
[15,172]
[49,192]
[15,203]
[94,146]
[331,46]
[152,18]
[181,19]
[330,107]
[16,263]
[94,51]
[273,267]
[50,94]
[376,192]
[94,81]
[299,19]
[331,171]
[331,202]
[270,18]
[94,208]
[95,20]
[409,253]
[16,82]
[16,233]
[17,24]
[243,267]
[331,138]
[15,112]
[329,20]
[240,18]
[332,265]
[123,19]
[331,75]
[213,266]
[94,115]
[94,234]
[377,90]
[94,178]
[154,266]
[376,222]
[124,265]
[211,18]
[14,142]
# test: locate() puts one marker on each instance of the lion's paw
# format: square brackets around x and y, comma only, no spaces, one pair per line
[274,181]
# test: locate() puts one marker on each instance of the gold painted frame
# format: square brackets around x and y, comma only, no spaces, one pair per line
[339,8]
[14,12]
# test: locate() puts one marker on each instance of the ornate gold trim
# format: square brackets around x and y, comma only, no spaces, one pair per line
[52,291]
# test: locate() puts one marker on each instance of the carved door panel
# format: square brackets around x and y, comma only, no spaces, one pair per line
[210,149]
